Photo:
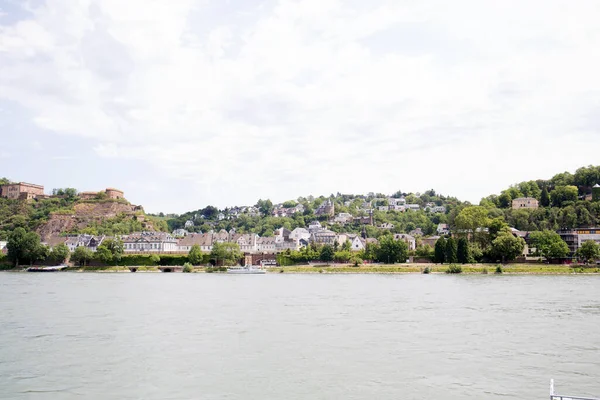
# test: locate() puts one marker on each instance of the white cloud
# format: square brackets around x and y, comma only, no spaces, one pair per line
[300,97]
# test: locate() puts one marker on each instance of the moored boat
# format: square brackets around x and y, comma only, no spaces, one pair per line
[47,269]
[247,269]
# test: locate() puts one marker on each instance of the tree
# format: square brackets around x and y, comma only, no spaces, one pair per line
[195,255]
[346,246]
[22,245]
[226,253]
[439,255]
[545,197]
[391,251]
[562,194]
[110,250]
[265,207]
[507,247]
[327,253]
[589,251]
[59,253]
[82,255]
[549,244]
[471,218]
[463,252]
[451,251]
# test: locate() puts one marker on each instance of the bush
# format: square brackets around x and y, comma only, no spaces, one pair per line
[426,270]
[187,267]
[499,269]
[484,271]
[454,269]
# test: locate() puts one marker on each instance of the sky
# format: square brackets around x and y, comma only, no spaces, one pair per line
[187,103]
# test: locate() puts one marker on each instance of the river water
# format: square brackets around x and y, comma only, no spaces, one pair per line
[280,336]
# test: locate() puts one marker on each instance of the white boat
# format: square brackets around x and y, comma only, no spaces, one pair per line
[554,396]
[248,269]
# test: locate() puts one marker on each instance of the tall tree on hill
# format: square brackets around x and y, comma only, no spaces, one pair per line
[439,255]
[451,254]
[463,252]
[545,198]
[563,194]
[470,219]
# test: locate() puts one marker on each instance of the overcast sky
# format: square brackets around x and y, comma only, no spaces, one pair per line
[185,103]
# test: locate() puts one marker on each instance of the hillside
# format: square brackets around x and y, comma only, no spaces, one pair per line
[70,214]
[565,201]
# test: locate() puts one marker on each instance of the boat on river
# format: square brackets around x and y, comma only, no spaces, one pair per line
[554,396]
[247,269]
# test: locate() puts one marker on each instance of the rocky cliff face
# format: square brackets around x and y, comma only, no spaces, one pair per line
[85,213]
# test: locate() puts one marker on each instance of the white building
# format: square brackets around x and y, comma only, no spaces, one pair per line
[142,242]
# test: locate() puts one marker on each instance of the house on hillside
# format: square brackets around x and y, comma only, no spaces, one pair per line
[443,229]
[525,202]
[408,239]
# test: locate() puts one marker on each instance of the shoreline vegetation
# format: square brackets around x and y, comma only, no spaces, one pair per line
[465,269]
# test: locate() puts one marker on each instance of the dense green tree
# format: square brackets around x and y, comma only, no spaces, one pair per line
[195,255]
[440,251]
[59,253]
[23,245]
[391,251]
[110,250]
[507,247]
[347,245]
[327,253]
[451,255]
[82,255]
[463,251]
[589,251]
[549,245]
[470,219]
[225,253]
[563,194]
[545,198]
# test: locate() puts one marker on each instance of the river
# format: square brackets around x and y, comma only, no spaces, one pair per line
[283,336]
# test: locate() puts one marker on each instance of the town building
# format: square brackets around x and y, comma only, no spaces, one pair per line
[21,191]
[327,208]
[574,238]
[343,218]
[180,232]
[142,242]
[443,229]
[111,193]
[408,239]
[90,241]
[430,241]
[524,202]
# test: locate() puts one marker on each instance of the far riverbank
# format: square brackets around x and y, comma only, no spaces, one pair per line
[526,269]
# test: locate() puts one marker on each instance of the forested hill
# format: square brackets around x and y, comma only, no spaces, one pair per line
[565,202]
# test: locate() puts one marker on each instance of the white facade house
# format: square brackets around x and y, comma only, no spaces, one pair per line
[357,244]
[300,234]
[180,232]
[142,242]
[408,239]
[413,207]
[89,241]
[189,223]
[443,229]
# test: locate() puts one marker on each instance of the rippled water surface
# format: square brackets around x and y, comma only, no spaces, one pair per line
[205,336]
